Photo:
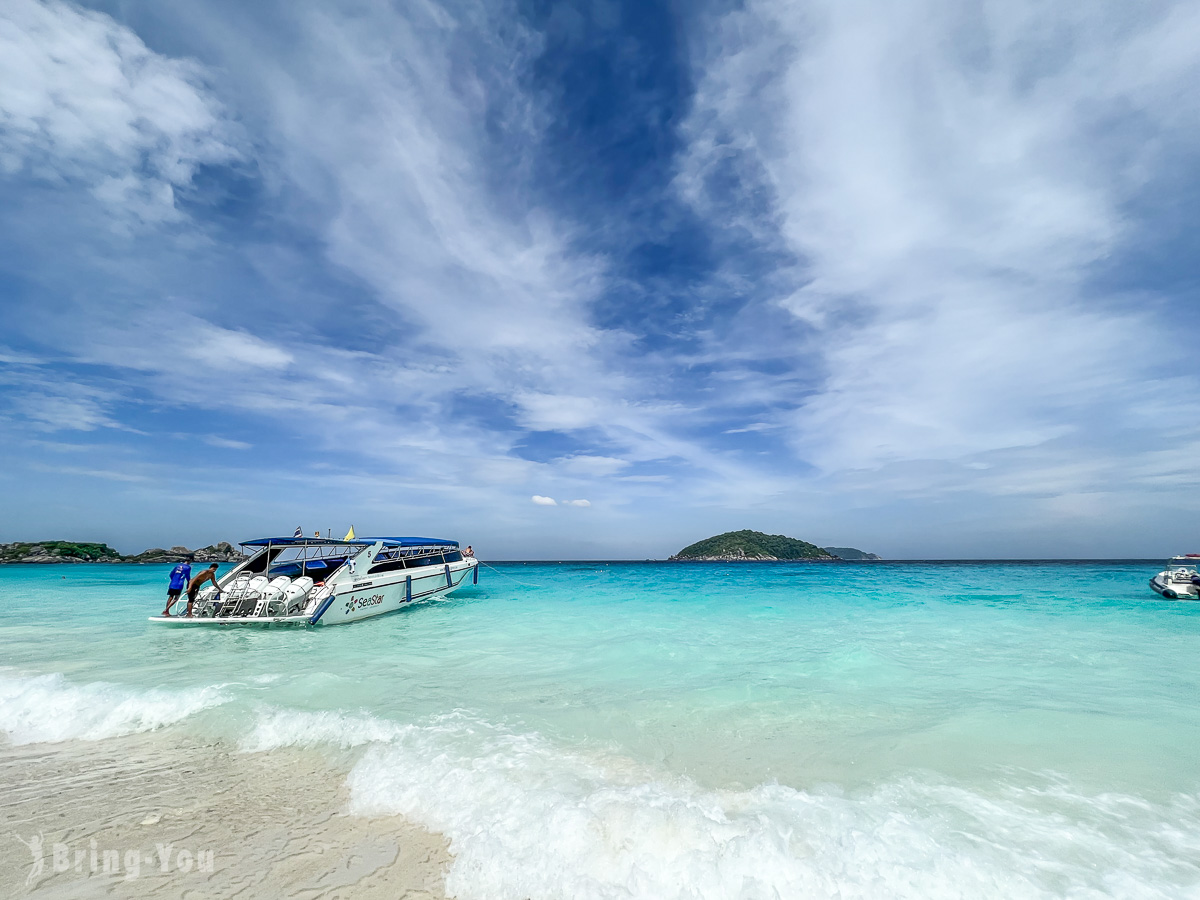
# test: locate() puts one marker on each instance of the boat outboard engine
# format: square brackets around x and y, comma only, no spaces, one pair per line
[271,597]
[295,593]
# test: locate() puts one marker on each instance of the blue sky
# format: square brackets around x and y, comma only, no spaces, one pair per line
[921,279]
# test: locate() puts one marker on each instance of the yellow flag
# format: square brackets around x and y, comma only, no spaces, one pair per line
[349,534]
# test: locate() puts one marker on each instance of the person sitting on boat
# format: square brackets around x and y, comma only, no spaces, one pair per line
[209,574]
[469,553]
[180,576]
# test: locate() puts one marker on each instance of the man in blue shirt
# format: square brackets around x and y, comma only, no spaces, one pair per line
[180,576]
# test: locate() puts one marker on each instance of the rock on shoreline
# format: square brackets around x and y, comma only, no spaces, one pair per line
[219,552]
[739,555]
[85,552]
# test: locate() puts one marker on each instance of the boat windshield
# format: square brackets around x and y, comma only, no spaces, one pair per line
[1190,561]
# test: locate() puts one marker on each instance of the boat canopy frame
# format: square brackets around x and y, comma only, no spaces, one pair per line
[327,556]
[353,542]
[1185,560]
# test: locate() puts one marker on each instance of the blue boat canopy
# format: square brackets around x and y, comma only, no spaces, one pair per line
[357,542]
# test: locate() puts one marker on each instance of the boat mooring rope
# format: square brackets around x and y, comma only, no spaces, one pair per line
[509,577]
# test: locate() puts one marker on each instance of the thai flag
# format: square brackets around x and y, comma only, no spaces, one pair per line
[299,533]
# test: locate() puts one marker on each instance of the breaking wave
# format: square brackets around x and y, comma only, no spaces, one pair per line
[529,819]
[37,708]
[277,728]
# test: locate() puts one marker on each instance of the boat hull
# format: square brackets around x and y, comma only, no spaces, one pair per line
[1173,590]
[363,598]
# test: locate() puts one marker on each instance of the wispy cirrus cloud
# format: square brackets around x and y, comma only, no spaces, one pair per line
[953,184]
[82,99]
[465,285]
[818,265]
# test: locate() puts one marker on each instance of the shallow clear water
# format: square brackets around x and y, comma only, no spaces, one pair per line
[707,730]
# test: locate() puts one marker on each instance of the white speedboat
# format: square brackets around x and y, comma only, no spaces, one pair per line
[1179,580]
[314,581]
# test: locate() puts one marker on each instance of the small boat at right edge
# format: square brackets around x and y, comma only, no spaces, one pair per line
[1179,580]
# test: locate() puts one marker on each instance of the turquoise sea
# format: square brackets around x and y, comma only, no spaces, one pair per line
[657,730]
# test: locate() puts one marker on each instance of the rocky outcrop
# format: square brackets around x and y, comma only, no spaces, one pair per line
[76,552]
[851,553]
[159,555]
[219,552]
[736,555]
[57,552]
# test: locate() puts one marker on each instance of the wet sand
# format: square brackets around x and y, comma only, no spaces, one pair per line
[274,824]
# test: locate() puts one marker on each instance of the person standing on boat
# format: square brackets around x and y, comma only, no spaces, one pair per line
[209,574]
[180,576]
[469,553]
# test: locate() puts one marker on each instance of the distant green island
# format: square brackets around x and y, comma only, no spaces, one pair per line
[850,553]
[86,552]
[736,546]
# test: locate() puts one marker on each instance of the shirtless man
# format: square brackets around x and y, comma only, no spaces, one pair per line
[209,574]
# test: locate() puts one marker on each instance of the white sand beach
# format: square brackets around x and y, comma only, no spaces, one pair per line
[274,824]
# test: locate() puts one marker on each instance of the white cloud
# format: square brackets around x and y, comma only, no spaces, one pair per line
[539,500]
[591,466]
[752,427]
[83,98]
[948,180]
[485,274]
[226,348]
[944,246]
[105,474]
[576,503]
[225,443]
[555,412]
[50,402]
[51,412]
[391,170]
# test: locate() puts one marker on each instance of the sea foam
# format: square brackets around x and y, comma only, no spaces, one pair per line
[275,728]
[36,708]
[529,819]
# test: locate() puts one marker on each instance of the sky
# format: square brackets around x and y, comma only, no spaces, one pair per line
[600,279]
